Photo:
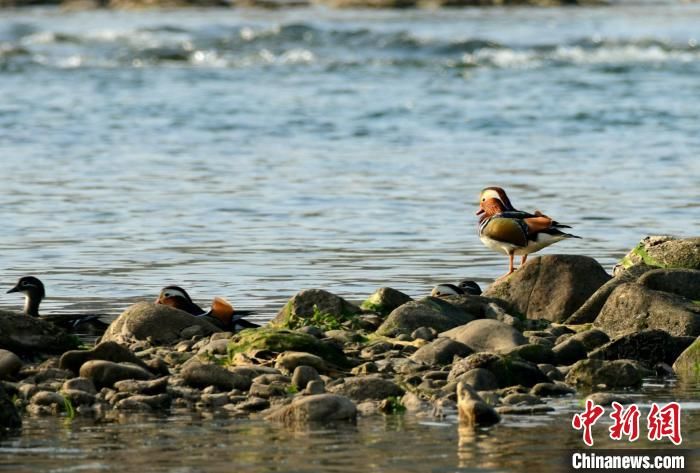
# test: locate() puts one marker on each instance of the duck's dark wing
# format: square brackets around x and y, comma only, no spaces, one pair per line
[76,321]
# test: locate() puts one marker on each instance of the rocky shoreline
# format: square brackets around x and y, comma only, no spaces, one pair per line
[276,4]
[560,326]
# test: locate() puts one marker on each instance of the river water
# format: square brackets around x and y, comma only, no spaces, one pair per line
[251,154]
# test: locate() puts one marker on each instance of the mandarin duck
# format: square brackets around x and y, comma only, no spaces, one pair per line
[221,309]
[464,287]
[507,230]
[34,292]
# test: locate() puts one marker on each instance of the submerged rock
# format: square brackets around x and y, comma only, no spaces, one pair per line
[551,287]
[23,334]
[487,335]
[428,312]
[157,323]
[278,341]
[384,300]
[315,307]
[632,307]
[9,416]
[315,408]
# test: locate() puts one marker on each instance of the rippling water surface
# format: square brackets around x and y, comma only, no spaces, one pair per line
[252,154]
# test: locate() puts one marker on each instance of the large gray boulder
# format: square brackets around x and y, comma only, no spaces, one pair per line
[22,334]
[633,307]
[551,287]
[487,335]
[161,324]
[665,252]
[683,282]
[315,408]
[508,370]
[428,312]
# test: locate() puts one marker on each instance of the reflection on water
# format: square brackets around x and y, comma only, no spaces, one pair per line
[191,443]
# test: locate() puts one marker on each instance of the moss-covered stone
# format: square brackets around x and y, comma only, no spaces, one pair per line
[687,365]
[318,308]
[384,300]
[280,340]
[665,252]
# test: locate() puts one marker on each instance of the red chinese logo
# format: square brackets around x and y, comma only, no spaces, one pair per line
[662,422]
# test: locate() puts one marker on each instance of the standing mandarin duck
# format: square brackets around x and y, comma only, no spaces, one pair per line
[505,229]
[221,309]
[34,292]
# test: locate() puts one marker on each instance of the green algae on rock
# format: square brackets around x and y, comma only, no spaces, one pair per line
[281,340]
[384,300]
[316,307]
[687,365]
[665,251]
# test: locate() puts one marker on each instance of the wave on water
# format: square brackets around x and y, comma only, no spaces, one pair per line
[306,44]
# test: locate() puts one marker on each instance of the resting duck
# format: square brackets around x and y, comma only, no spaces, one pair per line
[505,229]
[34,292]
[464,287]
[221,309]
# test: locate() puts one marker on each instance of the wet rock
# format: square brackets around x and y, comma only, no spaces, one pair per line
[428,312]
[606,399]
[157,323]
[9,416]
[279,341]
[315,408]
[569,351]
[215,347]
[479,379]
[384,300]
[364,388]
[633,307]
[413,403]
[78,398]
[215,400]
[534,353]
[106,373]
[344,337]
[611,374]
[311,330]
[665,252]
[10,364]
[648,346]
[365,368]
[48,398]
[687,365]
[516,399]
[267,391]
[551,390]
[682,282]
[473,411]
[441,351]
[157,366]
[108,351]
[487,335]
[590,309]
[315,387]
[311,307]
[79,384]
[29,335]
[424,333]
[303,375]
[509,371]
[591,338]
[289,360]
[254,404]
[552,287]
[524,410]
[148,387]
[201,375]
